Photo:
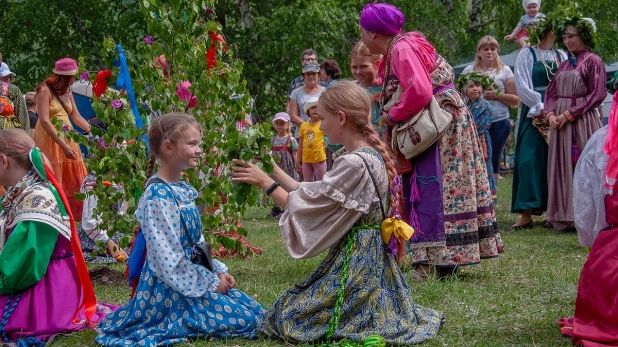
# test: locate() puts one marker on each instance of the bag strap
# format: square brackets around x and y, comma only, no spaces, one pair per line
[387,70]
[64,107]
[171,191]
[374,184]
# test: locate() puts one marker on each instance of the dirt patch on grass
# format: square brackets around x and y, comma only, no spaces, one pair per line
[106,276]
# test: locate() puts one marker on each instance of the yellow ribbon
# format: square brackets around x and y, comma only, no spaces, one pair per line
[10,121]
[397,227]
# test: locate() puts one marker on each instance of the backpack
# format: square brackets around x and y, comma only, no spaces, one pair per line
[6,105]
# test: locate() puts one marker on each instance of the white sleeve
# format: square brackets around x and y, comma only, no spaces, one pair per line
[160,221]
[90,223]
[467,69]
[523,83]
[589,211]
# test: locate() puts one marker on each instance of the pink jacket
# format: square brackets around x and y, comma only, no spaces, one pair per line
[412,59]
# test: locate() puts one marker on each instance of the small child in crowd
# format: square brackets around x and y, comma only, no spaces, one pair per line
[472,86]
[284,148]
[311,158]
[520,34]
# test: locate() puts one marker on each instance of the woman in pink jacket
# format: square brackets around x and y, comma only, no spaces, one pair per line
[446,190]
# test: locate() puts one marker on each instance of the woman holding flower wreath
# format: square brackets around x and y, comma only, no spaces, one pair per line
[534,69]
[55,100]
[571,103]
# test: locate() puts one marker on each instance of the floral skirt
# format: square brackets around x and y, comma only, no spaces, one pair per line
[159,316]
[377,300]
[469,218]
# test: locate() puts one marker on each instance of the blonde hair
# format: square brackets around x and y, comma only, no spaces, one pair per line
[168,127]
[487,41]
[355,102]
[360,50]
[17,144]
[30,99]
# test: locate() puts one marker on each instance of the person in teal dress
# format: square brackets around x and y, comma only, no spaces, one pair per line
[534,69]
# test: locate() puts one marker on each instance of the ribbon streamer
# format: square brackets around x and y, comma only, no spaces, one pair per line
[99,87]
[211,55]
[124,82]
[89,304]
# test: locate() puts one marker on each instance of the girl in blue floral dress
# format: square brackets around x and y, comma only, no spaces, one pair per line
[176,300]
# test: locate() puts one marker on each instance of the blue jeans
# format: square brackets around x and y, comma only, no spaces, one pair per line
[498,132]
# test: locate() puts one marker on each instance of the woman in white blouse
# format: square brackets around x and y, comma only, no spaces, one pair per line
[488,62]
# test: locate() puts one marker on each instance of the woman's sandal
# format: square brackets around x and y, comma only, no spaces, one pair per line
[528,225]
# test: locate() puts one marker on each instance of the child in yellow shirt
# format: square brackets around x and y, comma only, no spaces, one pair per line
[311,148]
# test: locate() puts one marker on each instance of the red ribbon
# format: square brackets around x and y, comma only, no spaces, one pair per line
[90,300]
[100,83]
[211,55]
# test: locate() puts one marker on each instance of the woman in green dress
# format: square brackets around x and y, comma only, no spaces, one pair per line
[534,69]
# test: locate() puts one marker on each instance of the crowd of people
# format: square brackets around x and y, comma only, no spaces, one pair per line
[340,175]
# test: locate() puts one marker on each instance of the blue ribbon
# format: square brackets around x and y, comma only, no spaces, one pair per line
[124,82]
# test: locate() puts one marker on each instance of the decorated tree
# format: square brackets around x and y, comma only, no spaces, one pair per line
[183,65]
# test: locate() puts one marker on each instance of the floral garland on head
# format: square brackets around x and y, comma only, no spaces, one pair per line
[485,81]
[567,16]
[538,30]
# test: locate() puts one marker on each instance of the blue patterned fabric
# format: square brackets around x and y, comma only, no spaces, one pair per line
[483,117]
[175,300]
[377,298]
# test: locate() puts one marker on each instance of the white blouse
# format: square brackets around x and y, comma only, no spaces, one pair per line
[523,77]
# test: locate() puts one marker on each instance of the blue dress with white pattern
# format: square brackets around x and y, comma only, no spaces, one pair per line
[175,299]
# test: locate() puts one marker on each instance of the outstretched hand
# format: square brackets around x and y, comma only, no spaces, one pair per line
[246,172]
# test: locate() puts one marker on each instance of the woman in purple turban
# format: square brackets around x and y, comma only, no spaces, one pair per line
[446,191]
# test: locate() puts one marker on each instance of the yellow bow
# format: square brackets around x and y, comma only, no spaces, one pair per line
[397,227]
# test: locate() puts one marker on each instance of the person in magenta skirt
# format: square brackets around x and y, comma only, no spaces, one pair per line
[44,285]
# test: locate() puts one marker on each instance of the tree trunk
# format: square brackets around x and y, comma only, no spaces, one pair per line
[245,13]
[475,16]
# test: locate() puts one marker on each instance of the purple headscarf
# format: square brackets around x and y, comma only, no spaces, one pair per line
[380,18]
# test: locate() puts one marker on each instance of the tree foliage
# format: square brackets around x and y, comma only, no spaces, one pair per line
[182,31]
[269,35]
[282,29]
[36,33]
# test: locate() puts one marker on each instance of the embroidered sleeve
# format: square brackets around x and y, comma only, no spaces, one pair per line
[26,255]
[160,221]
[318,214]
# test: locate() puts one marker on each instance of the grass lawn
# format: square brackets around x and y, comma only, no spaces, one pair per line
[514,300]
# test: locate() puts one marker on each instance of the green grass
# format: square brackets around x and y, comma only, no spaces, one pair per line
[514,300]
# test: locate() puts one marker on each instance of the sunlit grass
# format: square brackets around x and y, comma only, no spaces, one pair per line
[514,300]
